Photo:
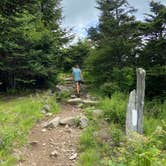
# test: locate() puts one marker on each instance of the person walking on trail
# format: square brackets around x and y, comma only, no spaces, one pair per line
[78,78]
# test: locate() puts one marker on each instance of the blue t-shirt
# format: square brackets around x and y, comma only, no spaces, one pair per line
[77,74]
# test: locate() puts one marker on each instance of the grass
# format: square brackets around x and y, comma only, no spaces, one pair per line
[146,150]
[17,117]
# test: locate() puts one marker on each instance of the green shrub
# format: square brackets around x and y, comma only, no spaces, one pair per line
[109,88]
[89,158]
[115,108]
[87,140]
[116,135]
[124,78]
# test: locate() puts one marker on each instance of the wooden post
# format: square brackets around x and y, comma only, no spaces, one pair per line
[140,94]
[134,115]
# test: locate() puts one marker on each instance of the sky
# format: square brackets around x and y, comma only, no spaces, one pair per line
[81,14]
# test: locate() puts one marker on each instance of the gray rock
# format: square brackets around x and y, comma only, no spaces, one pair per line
[68,121]
[83,122]
[49,114]
[61,88]
[90,102]
[53,123]
[75,101]
[69,79]
[46,108]
[73,156]
[73,96]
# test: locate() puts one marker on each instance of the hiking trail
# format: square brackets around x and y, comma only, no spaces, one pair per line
[54,141]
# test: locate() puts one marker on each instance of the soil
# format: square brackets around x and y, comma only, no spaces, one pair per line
[63,139]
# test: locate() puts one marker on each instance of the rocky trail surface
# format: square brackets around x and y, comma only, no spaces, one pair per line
[54,141]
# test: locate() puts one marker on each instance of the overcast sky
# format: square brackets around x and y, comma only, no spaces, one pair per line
[81,14]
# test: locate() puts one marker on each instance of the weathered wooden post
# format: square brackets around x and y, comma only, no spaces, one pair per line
[134,115]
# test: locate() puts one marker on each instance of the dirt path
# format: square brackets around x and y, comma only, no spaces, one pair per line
[63,139]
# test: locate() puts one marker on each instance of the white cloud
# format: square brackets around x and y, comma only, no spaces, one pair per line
[81,14]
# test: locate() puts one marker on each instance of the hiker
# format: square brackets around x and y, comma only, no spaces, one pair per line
[78,78]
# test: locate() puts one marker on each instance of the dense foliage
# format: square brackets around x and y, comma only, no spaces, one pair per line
[74,54]
[30,42]
[121,43]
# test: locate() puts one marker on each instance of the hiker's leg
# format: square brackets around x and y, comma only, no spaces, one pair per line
[77,88]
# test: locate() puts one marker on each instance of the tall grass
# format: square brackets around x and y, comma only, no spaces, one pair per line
[115,108]
[144,150]
[17,117]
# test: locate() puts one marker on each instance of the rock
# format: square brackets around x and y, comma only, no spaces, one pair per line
[97,113]
[46,108]
[68,129]
[73,96]
[90,102]
[83,122]
[53,123]
[43,112]
[68,79]
[73,156]
[49,114]
[43,130]
[68,121]
[61,88]
[74,101]
[54,154]
[34,143]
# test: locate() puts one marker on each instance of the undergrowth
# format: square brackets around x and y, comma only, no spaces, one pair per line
[17,116]
[104,142]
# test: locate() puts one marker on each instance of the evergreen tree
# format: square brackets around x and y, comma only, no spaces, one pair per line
[115,39]
[30,42]
[153,56]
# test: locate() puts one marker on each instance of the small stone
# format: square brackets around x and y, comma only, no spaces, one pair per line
[44,144]
[53,123]
[43,130]
[74,156]
[74,101]
[83,122]
[43,111]
[34,143]
[68,121]
[90,102]
[68,129]
[54,154]
[73,96]
[46,108]
[49,114]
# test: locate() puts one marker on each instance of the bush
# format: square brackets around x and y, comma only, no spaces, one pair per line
[124,78]
[109,88]
[115,108]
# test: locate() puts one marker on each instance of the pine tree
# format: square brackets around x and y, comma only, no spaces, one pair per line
[30,42]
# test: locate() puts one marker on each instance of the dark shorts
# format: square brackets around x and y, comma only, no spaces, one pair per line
[78,82]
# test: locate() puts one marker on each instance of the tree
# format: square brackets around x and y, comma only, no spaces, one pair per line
[115,39]
[29,43]
[153,57]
